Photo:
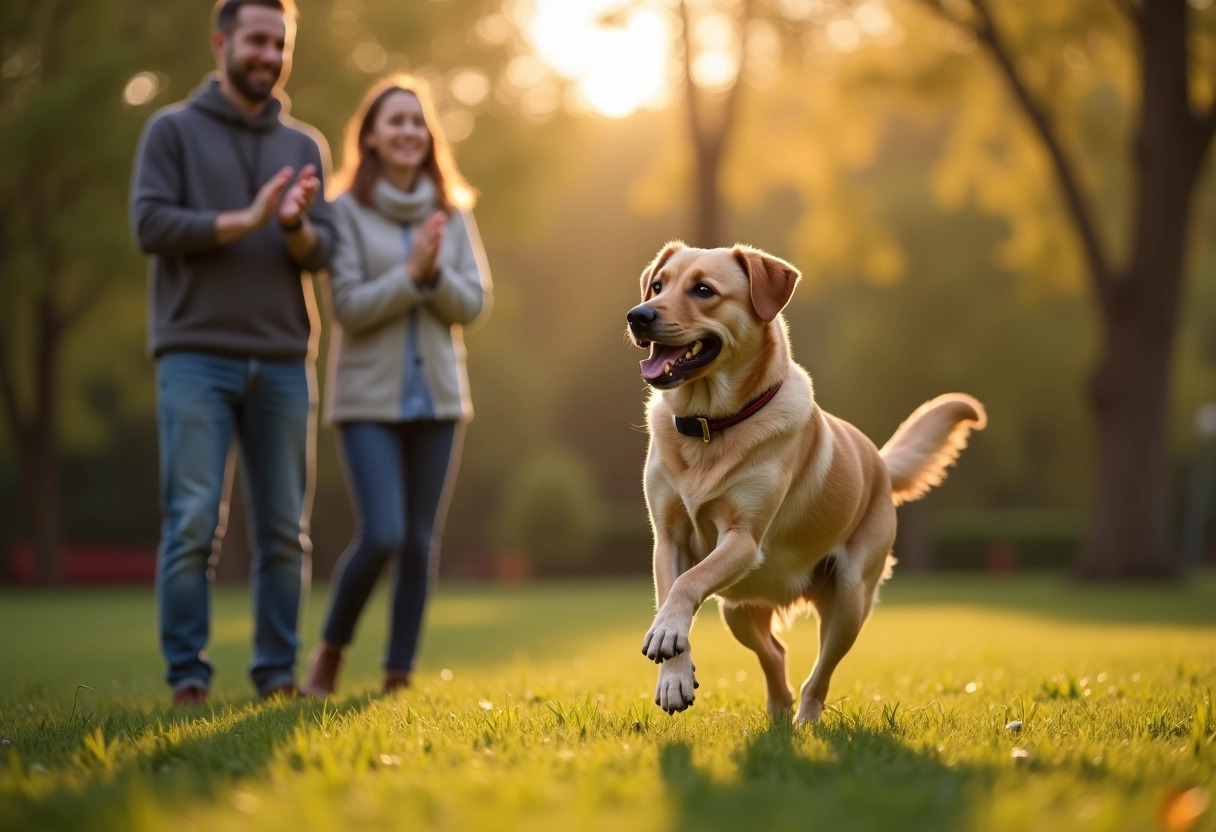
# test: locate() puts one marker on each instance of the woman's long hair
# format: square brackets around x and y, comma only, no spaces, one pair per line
[361,165]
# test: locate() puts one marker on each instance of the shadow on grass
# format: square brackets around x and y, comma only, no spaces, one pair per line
[865,780]
[92,780]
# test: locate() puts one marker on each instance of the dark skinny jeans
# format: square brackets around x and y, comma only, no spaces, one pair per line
[399,475]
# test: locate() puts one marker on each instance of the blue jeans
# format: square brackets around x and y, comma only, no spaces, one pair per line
[204,402]
[399,475]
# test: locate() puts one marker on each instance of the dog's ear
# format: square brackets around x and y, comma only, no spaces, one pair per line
[657,263]
[770,279]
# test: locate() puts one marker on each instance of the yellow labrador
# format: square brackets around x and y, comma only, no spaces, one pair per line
[757,495]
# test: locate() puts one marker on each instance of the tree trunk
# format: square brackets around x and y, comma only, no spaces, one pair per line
[707,197]
[1130,521]
[39,479]
[39,456]
[1131,525]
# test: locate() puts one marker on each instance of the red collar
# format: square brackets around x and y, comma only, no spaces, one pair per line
[702,428]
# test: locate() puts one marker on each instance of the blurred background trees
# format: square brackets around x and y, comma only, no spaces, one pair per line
[968,188]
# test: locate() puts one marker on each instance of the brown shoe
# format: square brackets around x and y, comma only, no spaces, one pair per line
[191,696]
[323,667]
[395,680]
[287,690]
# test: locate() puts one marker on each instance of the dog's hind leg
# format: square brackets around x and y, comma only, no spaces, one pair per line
[844,602]
[753,627]
[842,609]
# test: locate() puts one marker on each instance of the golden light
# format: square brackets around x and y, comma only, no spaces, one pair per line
[843,34]
[714,71]
[541,101]
[873,19]
[457,124]
[368,57]
[799,9]
[715,64]
[615,68]
[140,89]
[493,29]
[526,71]
[763,47]
[470,87]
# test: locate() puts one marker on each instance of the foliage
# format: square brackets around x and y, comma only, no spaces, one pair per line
[551,510]
[532,710]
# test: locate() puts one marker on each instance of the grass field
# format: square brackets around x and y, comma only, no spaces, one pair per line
[533,710]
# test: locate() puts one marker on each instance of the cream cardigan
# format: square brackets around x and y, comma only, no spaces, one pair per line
[376,305]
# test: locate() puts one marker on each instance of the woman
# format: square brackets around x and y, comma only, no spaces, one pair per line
[408,273]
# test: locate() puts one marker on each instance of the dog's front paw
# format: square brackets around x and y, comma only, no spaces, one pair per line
[677,683]
[664,640]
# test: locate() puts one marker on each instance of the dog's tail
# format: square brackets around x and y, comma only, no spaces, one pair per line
[929,441]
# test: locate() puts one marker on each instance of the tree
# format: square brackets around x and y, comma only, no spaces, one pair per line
[1136,296]
[62,243]
[1124,148]
[709,132]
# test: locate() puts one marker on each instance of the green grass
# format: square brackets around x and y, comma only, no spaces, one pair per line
[533,710]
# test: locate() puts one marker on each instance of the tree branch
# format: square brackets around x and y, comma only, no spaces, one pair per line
[987,33]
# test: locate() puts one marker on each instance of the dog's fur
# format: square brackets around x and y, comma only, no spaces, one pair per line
[788,507]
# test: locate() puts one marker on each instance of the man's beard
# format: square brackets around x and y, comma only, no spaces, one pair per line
[240,79]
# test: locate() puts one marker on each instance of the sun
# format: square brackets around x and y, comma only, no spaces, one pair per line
[615,68]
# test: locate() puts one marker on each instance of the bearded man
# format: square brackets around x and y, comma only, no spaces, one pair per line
[228,201]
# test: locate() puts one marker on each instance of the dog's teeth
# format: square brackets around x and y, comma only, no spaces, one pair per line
[696,348]
[688,354]
[667,369]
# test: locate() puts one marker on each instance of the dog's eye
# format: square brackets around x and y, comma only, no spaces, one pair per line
[657,286]
[702,291]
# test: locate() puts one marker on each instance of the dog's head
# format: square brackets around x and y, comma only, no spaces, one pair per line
[702,308]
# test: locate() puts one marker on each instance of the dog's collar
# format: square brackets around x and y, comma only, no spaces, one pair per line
[703,428]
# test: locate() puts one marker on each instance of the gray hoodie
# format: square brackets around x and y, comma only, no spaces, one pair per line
[247,298]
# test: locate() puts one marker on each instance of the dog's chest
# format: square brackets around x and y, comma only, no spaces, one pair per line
[700,528]
[782,577]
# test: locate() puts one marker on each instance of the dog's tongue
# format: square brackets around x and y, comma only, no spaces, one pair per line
[660,356]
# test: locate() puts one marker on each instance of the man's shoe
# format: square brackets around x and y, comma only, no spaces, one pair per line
[191,696]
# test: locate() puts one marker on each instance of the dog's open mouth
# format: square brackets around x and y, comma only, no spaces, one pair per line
[671,364]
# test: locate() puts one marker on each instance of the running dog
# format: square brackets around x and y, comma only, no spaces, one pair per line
[755,494]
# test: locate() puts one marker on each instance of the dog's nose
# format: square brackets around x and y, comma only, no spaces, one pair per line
[641,317]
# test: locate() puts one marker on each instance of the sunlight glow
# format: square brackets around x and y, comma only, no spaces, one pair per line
[368,57]
[617,66]
[763,46]
[493,29]
[799,9]
[844,35]
[141,89]
[457,124]
[470,87]
[873,19]
[714,71]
